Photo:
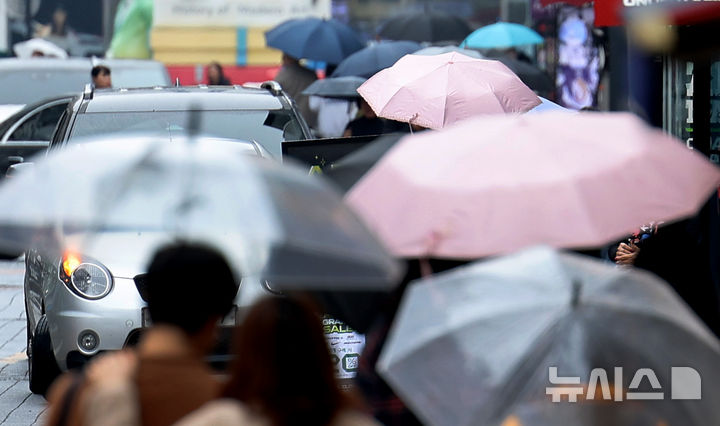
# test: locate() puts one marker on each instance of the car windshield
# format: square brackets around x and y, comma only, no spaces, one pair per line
[268,128]
[30,86]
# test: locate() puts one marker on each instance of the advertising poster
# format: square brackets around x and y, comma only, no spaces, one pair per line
[346,345]
[578,73]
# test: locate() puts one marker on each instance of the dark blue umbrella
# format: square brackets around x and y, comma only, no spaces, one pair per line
[324,40]
[425,26]
[368,61]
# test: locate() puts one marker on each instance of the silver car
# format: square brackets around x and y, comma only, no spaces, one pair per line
[80,304]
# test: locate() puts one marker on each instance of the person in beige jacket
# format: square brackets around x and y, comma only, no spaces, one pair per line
[282,375]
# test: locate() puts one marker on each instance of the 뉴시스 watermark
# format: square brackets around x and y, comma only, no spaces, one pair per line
[685,384]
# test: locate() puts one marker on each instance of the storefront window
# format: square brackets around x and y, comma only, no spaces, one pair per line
[678,115]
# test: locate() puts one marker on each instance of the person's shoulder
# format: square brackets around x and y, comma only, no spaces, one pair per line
[223,412]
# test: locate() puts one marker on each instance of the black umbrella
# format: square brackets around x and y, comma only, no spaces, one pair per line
[349,169]
[532,76]
[425,26]
[335,87]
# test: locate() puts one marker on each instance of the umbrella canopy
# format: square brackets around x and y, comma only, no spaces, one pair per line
[27,49]
[477,345]
[435,91]
[283,225]
[439,50]
[425,27]
[335,87]
[349,169]
[318,39]
[501,35]
[373,58]
[534,77]
[496,184]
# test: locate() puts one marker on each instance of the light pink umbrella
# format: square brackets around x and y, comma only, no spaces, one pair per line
[493,185]
[438,90]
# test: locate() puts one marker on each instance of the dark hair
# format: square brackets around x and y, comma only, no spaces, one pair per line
[222,80]
[188,285]
[282,365]
[99,69]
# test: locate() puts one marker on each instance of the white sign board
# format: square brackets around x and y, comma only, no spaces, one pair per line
[235,13]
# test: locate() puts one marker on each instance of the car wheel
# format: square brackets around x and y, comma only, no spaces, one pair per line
[42,367]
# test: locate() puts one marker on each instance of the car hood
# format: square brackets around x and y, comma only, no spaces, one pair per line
[125,254]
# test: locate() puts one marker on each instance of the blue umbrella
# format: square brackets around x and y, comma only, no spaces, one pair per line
[325,40]
[501,35]
[368,61]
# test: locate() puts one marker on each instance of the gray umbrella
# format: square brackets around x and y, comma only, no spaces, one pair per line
[274,220]
[349,169]
[494,342]
[335,87]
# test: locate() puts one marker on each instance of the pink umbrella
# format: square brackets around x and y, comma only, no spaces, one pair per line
[438,90]
[493,185]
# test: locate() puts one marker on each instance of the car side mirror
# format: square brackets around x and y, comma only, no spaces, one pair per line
[18,168]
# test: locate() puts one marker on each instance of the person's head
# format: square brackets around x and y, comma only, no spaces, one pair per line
[301,391]
[365,108]
[215,73]
[189,286]
[101,77]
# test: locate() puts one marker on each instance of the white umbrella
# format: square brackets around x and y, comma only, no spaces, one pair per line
[289,227]
[38,46]
[491,342]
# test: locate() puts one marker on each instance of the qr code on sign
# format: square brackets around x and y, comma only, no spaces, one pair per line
[350,362]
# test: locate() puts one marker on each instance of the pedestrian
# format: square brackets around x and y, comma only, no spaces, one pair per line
[333,115]
[282,375]
[216,75]
[367,123]
[188,289]
[294,78]
[101,77]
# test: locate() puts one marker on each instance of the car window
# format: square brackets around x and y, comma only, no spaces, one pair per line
[40,125]
[268,128]
[29,86]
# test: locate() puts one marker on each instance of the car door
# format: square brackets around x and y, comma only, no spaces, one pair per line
[30,133]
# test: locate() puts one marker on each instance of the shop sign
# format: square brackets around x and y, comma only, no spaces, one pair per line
[236,13]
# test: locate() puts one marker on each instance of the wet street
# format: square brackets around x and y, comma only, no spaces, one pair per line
[17,405]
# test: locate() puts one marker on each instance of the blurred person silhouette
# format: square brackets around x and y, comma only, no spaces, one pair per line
[333,115]
[386,406]
[216,75]
[367,123]
[282,375]
[294,78]
[101,78]
[57,30]
[188,288]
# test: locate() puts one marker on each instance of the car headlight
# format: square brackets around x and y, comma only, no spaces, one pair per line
[84,276]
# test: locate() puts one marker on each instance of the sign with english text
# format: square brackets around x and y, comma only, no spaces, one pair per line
[236,13]
[611,13]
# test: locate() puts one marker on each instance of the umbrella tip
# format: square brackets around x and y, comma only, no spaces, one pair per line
[575,299]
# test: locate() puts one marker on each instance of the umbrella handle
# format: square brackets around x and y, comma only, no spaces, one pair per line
[425,268]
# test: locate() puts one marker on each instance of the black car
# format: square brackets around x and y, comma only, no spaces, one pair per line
[256,114]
